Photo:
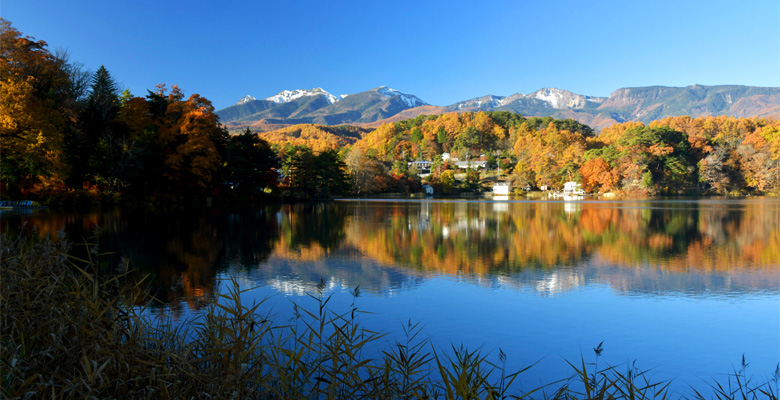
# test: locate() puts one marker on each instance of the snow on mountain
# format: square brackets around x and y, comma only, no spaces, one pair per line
[556,98]
[509,99]
[488,101]
[387,92]
[597,100]
[496,101]
[625,104]
[408,99]
[246,99]
[563,98]
[552,96]
[286,96]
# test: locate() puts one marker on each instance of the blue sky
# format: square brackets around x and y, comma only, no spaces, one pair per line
[443,52]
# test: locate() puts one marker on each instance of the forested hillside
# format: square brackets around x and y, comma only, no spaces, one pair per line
[674,155]
[317,137]
[68,133]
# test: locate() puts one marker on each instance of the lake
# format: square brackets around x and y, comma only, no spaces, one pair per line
[684,287]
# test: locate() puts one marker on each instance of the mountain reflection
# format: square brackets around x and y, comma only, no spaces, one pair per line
[634,247]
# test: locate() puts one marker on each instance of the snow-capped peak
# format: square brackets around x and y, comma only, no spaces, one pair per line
[387,92]
[559,98]
[410,100]
[489,101]
[286,96]
[556,97]
[246,99]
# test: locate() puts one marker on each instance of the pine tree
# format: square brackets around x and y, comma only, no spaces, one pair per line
[96,152]
[103,100]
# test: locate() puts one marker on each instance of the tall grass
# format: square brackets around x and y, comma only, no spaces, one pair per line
[70,330]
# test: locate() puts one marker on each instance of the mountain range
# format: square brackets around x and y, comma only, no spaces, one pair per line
[382,105]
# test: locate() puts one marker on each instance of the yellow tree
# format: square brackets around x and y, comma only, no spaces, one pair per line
[379,143]
[760,151]
[613,133]
[525,145]
[771,134]
[32,121]
[548,156]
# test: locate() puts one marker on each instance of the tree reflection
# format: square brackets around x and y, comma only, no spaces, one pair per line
[476,238]
[631,245]
[250,236]
[177,253]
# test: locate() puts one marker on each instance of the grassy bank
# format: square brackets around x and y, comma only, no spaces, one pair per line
[69,330]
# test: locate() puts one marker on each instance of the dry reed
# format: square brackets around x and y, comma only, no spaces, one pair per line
[70,330]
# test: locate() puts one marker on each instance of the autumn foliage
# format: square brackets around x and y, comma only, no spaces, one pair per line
[33,115]
[717,154]
[672,156]
[65,130]
[675,155]
[317,137]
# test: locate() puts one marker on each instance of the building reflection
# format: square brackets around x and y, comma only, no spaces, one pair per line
[558,281]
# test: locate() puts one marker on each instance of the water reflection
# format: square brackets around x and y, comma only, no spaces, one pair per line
[634,247]
[293,277]
[178,254]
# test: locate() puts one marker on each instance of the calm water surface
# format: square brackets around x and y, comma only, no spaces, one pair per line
[683,287]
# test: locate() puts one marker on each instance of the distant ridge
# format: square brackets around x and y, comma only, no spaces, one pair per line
[317,106]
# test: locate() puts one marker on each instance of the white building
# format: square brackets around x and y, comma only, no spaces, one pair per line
[573,188]
[501,189]
[471,164]
[420,164]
